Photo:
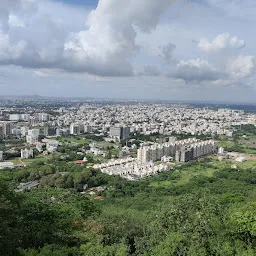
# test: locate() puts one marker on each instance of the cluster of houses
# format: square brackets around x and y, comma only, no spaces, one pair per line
[130,168]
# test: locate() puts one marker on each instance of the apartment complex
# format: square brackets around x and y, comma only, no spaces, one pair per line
[26,153]
[182,151]
[5,129]
[119,133]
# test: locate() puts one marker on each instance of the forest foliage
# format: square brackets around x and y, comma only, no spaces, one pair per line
[207,215]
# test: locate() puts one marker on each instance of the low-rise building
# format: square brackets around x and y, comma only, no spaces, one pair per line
[26,153]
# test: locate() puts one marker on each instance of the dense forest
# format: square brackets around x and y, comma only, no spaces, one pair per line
[206,215]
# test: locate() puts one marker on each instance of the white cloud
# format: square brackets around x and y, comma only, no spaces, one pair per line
[221,42]
[108,44]
[107,47]
[241,66]
[8,50]
[196,70]
[238,70]
[15,21]
[9,6]
[45,72]
[26,47]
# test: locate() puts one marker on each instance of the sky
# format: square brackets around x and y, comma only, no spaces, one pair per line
[198,50]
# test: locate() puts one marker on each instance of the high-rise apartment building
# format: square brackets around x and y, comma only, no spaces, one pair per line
[1,132]
[34,132]
[6,129]
[75,129]
[119,132]
[15,117]
[87,128]
[43,117]
[24,131]
[26,153]
[31,139]
[183,151]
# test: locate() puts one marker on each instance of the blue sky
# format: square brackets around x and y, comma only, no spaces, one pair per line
[165,49]
[89,3]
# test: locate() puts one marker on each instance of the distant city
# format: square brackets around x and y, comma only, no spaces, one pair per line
[38,124]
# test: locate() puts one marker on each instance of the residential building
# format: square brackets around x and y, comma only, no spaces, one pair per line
[119,132]
[32,139]
[74,129]
[26,153]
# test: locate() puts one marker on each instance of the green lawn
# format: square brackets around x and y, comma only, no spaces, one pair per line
[39,157]
[186,173]
[242,145]
[250,164]
[73,140]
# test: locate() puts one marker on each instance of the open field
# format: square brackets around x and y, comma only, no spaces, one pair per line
[29,161]
[72,140]
[250,164]
[242,145]
[103,144]
[184,174]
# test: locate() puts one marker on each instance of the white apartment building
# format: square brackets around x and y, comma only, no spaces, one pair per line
[6,129]
[74,129]
[24,131]
[25,117]
[183,151]
[34,132]
[15,117]
[26,153]
[31,139]
[43,117]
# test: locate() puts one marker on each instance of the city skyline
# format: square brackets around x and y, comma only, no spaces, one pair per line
[168,50]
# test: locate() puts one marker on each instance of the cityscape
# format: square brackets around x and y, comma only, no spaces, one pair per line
[116,127]
[127,128]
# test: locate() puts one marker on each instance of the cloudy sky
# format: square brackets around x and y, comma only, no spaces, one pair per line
[140,49]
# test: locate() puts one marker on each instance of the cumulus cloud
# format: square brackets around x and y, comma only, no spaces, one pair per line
[238,70]
[110,42]
[107,44]
[196,70]
[8,50]
[33,50]
[8,6]
[5,7]
[221,42]
[241,66]
[105,47]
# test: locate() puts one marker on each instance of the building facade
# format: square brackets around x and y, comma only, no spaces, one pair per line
[26,153]
[119,133]
[182,151]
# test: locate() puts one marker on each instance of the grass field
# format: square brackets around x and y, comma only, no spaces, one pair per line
[73,140]
[242,145]
[185,174]
[249,164]
[40,157]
